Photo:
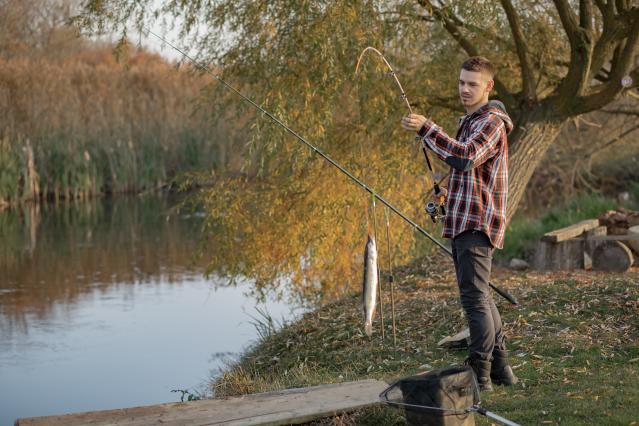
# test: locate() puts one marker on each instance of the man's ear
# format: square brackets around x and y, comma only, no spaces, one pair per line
[490,85]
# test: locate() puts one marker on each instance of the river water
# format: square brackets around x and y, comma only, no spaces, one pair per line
[103,306]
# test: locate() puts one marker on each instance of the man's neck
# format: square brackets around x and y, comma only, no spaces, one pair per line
[473,108]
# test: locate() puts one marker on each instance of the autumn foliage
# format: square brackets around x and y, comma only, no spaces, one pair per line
[86,123]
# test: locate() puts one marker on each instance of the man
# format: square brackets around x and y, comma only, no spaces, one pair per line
[476,210]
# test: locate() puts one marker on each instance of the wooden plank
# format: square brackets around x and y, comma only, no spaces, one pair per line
[291,406]
[571,231]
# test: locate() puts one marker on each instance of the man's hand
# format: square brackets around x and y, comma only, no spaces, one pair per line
[443,193]
[413,122]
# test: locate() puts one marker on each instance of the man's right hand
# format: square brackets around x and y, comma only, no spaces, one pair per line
[443,193]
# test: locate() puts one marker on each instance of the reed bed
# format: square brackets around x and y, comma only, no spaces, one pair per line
[86,124]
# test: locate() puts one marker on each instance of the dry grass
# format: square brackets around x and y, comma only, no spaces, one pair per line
[84,124]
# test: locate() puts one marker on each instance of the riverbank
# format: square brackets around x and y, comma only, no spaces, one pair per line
[573,342]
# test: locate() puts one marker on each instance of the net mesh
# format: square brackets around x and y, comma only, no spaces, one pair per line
[440,397]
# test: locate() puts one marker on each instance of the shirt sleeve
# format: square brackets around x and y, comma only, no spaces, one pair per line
[481,145]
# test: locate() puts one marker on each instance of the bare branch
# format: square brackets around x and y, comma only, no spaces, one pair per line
[449,24]
[527,77]
[621,66]
[620,111]
[612,141]
[568,20]
[585,14]
[615,29]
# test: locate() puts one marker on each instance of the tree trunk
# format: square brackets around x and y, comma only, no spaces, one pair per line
[528,143]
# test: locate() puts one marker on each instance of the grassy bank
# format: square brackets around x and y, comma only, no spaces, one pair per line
[573,340]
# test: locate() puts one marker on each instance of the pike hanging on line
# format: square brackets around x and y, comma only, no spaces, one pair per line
[369,285]
[317,151]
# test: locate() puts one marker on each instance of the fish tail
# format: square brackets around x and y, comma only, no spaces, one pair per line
[368,328]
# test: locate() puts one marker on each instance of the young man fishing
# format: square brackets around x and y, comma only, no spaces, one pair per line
[476,210]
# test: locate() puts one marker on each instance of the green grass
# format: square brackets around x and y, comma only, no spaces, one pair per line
[523,231]
[573,344]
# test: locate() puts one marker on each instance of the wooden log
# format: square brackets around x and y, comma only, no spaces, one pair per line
[562,256]
[633,232]
[291,406]
[612,256]
[591,242]
[571,231]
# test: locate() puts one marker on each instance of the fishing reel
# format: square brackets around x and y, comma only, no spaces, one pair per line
[436,209]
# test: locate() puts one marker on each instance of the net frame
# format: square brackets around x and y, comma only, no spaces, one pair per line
[474,407]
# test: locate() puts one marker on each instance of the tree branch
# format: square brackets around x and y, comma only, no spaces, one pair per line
[450,26]
[568,20]
[612,141]
[527,77]
[620,111]
[585,14]
[577,79]
[615,29]
[621,66]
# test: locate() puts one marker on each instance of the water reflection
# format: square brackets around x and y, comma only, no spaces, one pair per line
[55,254]
[102,306]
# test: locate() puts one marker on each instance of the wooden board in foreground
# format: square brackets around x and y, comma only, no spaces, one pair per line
[273,408]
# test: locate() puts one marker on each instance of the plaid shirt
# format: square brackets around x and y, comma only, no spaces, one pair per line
[478,184]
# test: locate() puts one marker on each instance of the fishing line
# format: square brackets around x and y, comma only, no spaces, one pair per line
[391,280]
[317,151]
[379,282]
[374,212]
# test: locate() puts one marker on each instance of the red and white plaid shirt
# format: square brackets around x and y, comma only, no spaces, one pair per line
[478,183]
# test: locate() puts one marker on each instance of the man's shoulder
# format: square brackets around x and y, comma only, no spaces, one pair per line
[486,121]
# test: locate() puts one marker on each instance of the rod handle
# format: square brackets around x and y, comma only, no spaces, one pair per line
[503,293]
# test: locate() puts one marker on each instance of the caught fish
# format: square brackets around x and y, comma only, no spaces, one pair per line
[369,287]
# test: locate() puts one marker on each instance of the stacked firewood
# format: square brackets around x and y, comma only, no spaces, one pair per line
[623,222]
[618,221]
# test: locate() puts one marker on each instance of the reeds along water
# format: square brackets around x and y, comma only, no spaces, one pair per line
[85,124]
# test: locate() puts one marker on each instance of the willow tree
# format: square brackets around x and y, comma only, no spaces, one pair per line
[564,59]
[297,59]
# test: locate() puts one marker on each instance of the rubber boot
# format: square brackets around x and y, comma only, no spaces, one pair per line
[500,371]
[481,369]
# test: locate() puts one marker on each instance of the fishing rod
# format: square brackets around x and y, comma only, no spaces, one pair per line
[317,151]
[434,210]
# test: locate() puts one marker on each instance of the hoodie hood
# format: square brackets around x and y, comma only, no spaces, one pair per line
[497,108]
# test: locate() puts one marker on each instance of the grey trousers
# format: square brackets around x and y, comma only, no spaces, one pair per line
[473,256]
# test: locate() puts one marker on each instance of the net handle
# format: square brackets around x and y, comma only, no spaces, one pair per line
[500,419]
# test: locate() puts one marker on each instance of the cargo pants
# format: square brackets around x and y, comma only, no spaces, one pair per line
[473,255]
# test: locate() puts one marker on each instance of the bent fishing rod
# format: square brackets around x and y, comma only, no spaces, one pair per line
[317,151]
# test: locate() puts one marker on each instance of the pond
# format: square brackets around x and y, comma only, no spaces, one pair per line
[103,305]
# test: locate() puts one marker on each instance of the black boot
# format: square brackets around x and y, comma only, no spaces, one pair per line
[500,371]
[481,369]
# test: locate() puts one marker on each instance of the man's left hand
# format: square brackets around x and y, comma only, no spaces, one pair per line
[413,122]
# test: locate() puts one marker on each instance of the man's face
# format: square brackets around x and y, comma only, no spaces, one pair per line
[474,87]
